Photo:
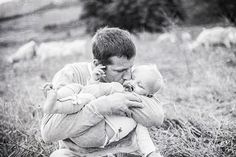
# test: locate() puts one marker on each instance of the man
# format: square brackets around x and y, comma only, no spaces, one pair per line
[114,49]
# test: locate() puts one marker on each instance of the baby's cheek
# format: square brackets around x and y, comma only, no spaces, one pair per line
[118,87]
[140,91]
[121,88]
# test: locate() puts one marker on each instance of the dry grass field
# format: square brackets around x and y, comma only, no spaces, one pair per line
[199,94]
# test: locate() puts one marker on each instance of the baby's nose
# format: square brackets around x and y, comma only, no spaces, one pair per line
[129,86]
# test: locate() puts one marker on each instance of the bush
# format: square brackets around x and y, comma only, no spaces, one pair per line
[133,15]
[228,9]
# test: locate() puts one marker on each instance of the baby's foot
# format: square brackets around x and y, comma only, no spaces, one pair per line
[50,101]
[46,87]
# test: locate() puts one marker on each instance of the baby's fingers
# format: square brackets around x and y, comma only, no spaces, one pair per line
[100,72]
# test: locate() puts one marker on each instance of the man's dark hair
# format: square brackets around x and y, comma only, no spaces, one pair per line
[109,42]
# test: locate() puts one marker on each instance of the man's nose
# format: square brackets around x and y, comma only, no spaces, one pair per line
[127,74]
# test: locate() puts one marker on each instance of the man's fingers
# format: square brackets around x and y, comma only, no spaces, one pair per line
[134,104]
[132,97]
[128,112]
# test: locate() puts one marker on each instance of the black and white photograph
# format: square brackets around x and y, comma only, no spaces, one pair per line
[117,78]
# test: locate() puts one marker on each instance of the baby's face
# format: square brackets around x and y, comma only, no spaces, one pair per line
[140,82]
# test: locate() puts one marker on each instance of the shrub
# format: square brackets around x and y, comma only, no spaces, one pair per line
[228,9]
[133,15]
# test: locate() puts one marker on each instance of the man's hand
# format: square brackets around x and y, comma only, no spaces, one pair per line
[119,103]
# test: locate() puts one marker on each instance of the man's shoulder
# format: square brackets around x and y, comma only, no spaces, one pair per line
[72,73]
[77,68]
[77,65]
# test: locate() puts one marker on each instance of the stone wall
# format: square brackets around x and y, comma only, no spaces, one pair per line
[11,8]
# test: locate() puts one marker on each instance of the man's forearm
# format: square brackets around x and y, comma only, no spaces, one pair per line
[151,115]
[61,126]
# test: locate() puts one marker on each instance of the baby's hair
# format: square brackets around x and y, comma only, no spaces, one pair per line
[109,42]
[156,75]
[160,78]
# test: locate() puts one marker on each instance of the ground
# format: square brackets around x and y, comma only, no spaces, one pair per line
[199,93]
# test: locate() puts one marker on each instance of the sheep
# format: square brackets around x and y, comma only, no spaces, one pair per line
[58,49]
[214,36]
[169,37]
[25,52]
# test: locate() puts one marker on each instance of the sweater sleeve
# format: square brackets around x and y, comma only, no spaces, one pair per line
[103,89]
[152,114]
[63,77]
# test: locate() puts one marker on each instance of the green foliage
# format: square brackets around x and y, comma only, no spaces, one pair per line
[133,15]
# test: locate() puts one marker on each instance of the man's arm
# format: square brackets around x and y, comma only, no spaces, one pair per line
[56,127]
[152,114]
[61,126]
[68,105]
[64,77]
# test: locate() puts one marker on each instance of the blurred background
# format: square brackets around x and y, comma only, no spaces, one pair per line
[193,43]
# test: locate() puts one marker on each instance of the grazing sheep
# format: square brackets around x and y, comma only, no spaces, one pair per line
[232,35]
[59,49]
[215,36]
[167,37]
[25,52]
[186,37]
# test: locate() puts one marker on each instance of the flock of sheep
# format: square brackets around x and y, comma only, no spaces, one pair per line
[48,50]
[225,36]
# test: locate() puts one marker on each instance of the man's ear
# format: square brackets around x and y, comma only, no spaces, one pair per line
[96,62]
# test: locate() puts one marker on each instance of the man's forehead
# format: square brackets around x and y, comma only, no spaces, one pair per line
[121,67]
[121,62]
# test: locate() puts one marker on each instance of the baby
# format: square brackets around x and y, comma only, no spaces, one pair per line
[146,81]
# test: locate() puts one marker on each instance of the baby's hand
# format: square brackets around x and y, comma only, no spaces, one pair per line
[128,86]
[98,72]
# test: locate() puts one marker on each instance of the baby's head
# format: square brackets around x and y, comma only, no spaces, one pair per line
[146,80]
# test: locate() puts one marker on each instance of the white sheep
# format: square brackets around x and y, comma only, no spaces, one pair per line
[25,52]
[167,37]
[214,36]
[60,49]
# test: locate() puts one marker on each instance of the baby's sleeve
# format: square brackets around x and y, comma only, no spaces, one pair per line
[67,101]
[116,88]
[69,90]
[103,89]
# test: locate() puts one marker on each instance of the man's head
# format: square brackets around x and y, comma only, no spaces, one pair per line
[113,48]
